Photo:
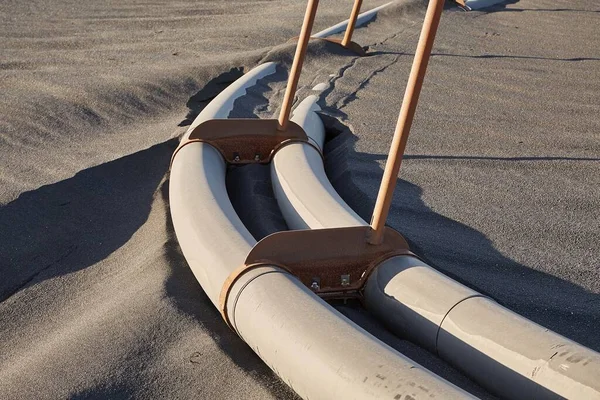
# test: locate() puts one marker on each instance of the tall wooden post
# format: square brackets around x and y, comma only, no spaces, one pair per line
[286,107]
[351,23]
[407,113]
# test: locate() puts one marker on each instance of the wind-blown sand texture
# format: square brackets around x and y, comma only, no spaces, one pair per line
[500,188]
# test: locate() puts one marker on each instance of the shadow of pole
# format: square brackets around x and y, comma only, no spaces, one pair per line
[491,56]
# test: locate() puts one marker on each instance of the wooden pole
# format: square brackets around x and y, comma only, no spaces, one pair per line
[351,23]
[407,113]
[286,107]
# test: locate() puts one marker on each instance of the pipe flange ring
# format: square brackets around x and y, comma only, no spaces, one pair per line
[183,144]
[233,277]
[311,142]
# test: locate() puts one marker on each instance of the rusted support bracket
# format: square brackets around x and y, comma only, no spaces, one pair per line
[334,263]
[346,42]
[351,46]
[247,141]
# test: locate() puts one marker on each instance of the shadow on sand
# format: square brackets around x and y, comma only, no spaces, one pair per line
[490,56]
[70,225]
[501,7]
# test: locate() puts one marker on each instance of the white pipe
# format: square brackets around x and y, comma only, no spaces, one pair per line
[317,351]
[501,350]
[221,106]
[504,352]
[361,20]
[303,159]
[313,348]
[227,245]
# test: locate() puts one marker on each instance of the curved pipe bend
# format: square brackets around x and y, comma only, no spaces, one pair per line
[312,347]
[502,351]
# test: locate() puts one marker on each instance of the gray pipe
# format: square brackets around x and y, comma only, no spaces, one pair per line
[316,350]
[312,347]
[504,352]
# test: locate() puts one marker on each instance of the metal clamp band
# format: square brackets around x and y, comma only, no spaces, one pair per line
[311,142]
[233,277]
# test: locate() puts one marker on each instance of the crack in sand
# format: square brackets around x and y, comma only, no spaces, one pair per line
[363,84]
[395,35]
[340,74]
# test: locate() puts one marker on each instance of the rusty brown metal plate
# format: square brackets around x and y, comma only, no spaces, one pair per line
[352,46]
[333,262]
[245,141]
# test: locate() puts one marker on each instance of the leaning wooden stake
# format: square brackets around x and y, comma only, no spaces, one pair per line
[351,23]
[286,107]
[407,112]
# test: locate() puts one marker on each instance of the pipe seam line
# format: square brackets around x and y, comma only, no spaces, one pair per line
[310,142]
[231,321]
[437,336]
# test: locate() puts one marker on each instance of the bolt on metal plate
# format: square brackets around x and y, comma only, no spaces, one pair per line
[315,284]
[345,280]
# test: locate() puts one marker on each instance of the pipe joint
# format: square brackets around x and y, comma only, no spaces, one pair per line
[244,275]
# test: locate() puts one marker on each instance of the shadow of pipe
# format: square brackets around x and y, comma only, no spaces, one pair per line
[70,225]
[501,7]
[546,10]
[200,99]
